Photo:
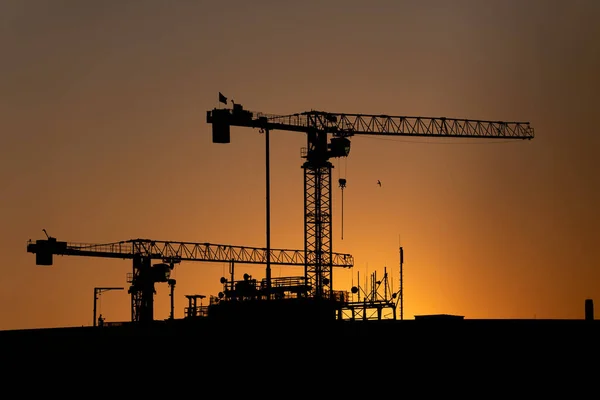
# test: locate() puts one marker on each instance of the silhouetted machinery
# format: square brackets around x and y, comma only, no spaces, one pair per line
[145,274]
[320,149]
[311,295]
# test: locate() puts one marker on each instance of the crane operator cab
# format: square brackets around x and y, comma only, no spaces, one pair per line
[339,147]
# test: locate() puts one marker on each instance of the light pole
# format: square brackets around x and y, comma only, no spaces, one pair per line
[97,292]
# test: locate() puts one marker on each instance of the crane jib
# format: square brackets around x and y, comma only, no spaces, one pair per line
[343,125]
[176,252]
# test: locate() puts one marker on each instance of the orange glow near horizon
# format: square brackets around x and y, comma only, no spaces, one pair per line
[105,139]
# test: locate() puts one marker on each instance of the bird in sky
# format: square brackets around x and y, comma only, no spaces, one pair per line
[379,182]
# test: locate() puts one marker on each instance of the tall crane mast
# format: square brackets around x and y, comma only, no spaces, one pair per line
[318,125]
[143,251]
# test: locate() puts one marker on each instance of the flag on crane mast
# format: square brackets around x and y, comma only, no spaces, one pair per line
[222,99]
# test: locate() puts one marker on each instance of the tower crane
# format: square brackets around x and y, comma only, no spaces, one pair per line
[143,251]
[318,126]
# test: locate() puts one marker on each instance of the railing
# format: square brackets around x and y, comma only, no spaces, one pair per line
[198,311]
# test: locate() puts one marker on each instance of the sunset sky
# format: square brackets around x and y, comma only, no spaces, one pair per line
[104,138]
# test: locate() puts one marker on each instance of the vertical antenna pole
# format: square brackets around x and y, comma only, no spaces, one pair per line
[385,283]
[268,222]
[401,284]
[358,280]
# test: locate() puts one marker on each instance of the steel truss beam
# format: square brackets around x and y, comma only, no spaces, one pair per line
[317,229]
[185,251]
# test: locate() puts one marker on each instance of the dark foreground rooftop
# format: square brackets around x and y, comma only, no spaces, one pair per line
[430,325]
[444,344]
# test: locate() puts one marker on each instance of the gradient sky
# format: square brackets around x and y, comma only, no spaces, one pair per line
[104,138]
